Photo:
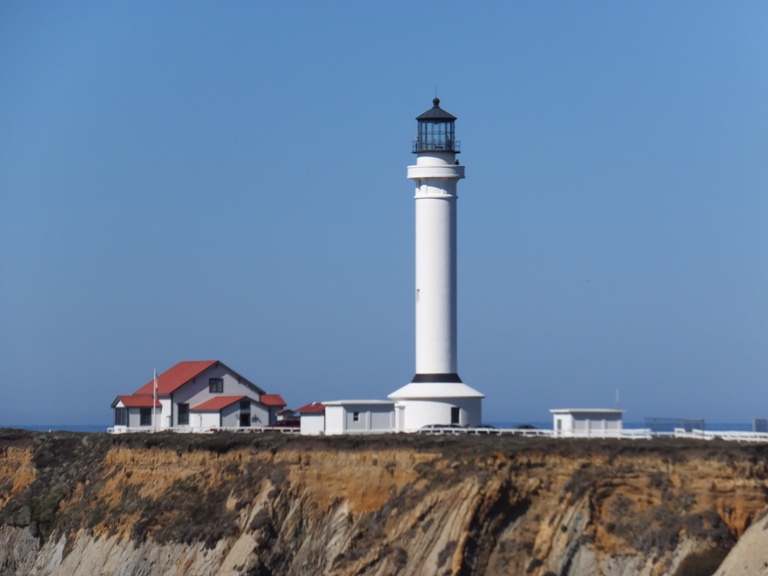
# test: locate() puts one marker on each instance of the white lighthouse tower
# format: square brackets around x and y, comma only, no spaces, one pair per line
[436,394]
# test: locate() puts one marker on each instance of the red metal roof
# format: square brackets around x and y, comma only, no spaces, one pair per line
[216,404]
[176,376]
[138,401]
[272,400]
[312,408]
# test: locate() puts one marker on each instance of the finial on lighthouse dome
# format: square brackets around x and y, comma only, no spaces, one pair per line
[436,131]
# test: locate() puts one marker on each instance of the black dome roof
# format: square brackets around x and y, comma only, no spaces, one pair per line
[436,113]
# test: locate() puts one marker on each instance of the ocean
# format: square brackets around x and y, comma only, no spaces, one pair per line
[59,427]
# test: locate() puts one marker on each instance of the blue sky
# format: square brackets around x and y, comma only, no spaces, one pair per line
[226,180]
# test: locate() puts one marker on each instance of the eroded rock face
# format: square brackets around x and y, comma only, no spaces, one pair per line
[750,555]
[399,504]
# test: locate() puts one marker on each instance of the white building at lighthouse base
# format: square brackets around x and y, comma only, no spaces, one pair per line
[436,403]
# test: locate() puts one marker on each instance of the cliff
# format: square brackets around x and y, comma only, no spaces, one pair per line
[271,505]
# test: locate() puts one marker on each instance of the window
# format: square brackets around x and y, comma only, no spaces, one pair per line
[183,414]
[245,413]
[355,416]
[455,415]
[121,417]
[215,385]
[145,416]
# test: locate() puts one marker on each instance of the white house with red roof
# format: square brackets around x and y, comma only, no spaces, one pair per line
[196,396]
[312,418]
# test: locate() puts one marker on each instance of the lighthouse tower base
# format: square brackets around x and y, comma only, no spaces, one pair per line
[436,403]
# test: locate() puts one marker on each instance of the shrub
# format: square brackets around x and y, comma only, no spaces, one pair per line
[401,557]
[703,563]
[535,563]
[446,553]
[260,520]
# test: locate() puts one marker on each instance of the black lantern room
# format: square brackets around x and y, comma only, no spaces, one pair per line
[436,131]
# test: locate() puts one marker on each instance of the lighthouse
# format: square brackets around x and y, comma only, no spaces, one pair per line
[436,395]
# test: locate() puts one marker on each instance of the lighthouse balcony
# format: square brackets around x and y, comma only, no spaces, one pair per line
[436,146]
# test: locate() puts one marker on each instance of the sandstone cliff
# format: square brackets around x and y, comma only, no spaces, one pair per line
[271,505]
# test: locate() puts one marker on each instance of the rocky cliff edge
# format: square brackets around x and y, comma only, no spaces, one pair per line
[272,505]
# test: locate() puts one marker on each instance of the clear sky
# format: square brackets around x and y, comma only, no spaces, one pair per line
[227,180]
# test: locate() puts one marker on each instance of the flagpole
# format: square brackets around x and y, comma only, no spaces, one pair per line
[154,402]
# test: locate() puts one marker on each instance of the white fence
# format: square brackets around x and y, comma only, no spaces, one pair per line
[210,430]
[536,432]
[731,435]
[625,434]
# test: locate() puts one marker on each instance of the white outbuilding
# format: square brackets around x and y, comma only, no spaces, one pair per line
[587,422]
[359,417]
[312,419]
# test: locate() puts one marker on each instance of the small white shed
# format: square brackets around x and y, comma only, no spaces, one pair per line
[587,422]
[359,416]
[312,418]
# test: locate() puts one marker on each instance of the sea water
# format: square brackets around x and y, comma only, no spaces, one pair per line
[59,427]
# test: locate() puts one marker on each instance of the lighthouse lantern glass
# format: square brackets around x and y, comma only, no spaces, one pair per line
[436,136]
